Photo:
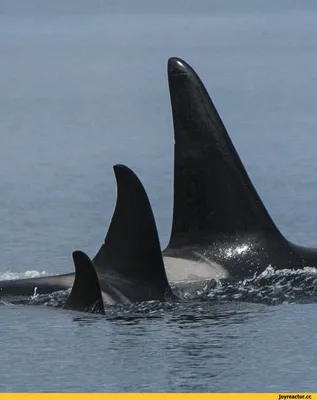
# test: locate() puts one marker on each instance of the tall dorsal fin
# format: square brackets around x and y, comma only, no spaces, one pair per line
[86,293]
[213,194]
[132,248]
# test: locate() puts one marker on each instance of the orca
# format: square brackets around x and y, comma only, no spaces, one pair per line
[220,227]
[86,295]
[218,217]
[129,265]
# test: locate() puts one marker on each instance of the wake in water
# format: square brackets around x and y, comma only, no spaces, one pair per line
[270,287]
[21,275]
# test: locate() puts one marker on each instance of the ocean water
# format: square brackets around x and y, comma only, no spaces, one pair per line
[83,86]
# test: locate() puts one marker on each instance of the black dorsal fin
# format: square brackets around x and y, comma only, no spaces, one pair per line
[213,194]
[86,293]
[132,248]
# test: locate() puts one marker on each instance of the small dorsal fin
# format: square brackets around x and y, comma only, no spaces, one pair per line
[86,293]
[213,194]
[132,248]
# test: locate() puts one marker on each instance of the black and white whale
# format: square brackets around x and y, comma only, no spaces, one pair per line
[86,294]
[218,218]
[129,265]
[220,227]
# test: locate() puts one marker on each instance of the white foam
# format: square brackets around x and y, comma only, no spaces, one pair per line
[8,275]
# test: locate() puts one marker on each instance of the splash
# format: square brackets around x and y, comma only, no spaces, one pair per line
[21,275]
[270,287]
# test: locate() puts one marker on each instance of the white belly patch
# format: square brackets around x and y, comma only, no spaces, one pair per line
[180,270]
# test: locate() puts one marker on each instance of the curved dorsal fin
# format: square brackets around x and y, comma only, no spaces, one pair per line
[132,248]
[86,293]
[213,194]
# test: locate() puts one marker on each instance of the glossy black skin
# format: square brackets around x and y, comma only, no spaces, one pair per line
[129,264]
[86,294]
[42,285]
[131,253]
[217,211]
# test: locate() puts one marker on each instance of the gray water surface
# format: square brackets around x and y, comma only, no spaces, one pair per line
[83,86]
